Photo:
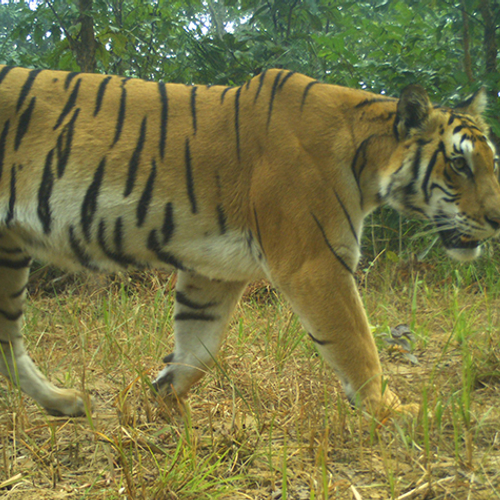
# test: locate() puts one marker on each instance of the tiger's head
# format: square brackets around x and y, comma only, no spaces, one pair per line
[445,170]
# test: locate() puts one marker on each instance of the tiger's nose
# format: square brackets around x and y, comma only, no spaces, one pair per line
[494,222]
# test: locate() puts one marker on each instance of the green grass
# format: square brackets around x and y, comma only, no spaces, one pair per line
[269,420]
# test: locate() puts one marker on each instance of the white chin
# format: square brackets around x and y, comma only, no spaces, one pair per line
[464,254]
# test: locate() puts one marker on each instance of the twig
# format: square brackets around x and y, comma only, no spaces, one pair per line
[67,34]
[416,491]
[11,481]
[355,493]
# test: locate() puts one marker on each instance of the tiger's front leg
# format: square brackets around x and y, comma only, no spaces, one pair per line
[15,362]
[324,295]
[203,308]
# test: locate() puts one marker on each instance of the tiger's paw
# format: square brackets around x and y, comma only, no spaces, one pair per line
[391,408]
[170,404]
[68,403]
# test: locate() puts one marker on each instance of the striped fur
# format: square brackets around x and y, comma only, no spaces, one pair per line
[268,180]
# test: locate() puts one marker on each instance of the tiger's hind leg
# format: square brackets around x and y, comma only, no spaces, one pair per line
[15,362]
[202,310]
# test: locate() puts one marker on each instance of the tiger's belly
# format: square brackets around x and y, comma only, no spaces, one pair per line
[233,256]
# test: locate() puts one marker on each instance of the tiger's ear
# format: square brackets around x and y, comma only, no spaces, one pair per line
[474,105]
[413,110]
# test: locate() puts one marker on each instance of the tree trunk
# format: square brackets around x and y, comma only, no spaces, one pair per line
[488,11]
[85,46]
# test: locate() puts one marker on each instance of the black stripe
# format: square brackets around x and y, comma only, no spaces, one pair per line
[168,358]
[224,92]
[11,316]
[11,251]
[448,180]
[183,299]
[79,251]
[193,107]
[411,188]
[458,128]
[64,143]
[453,199]
[306,91]
[466,137]
[435,185]
[17,294]
[118,234]
[273,96]
[70,104]
[192,316]
[89,204]
[339,258]
[5,71]
[166,257]
[147,194]
[348,217]
[360,153]
[3,140]
[237,121]
[429,169]
[15,264]
[258,229]
[189,179]
[44,193]
[369,102]
[288,75]
[261,82]
[24,122]
[12,197]
[135,159]
[221,219]
[121,115]
[395,127]
[317,341]
[100,95]
[166,380]
[163,117]
[117,256]
[167,229]
[25,90]
[410,207]
[69,79]
[249,238]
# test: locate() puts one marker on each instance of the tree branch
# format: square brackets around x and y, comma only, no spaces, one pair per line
[466,44]
[489,43]
[67,34]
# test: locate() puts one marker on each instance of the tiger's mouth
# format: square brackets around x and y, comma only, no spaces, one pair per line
[455,239]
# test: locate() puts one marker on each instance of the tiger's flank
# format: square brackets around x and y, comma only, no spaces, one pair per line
[227,185]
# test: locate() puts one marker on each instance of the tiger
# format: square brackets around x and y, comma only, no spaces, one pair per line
[227,185]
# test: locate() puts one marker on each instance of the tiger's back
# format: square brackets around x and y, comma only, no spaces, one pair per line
[129,167]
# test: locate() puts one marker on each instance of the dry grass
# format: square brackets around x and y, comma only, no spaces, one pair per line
[269,421]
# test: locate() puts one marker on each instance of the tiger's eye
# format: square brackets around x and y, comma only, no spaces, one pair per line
[460,166]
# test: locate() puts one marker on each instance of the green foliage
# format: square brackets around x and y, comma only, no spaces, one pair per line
[381,45]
